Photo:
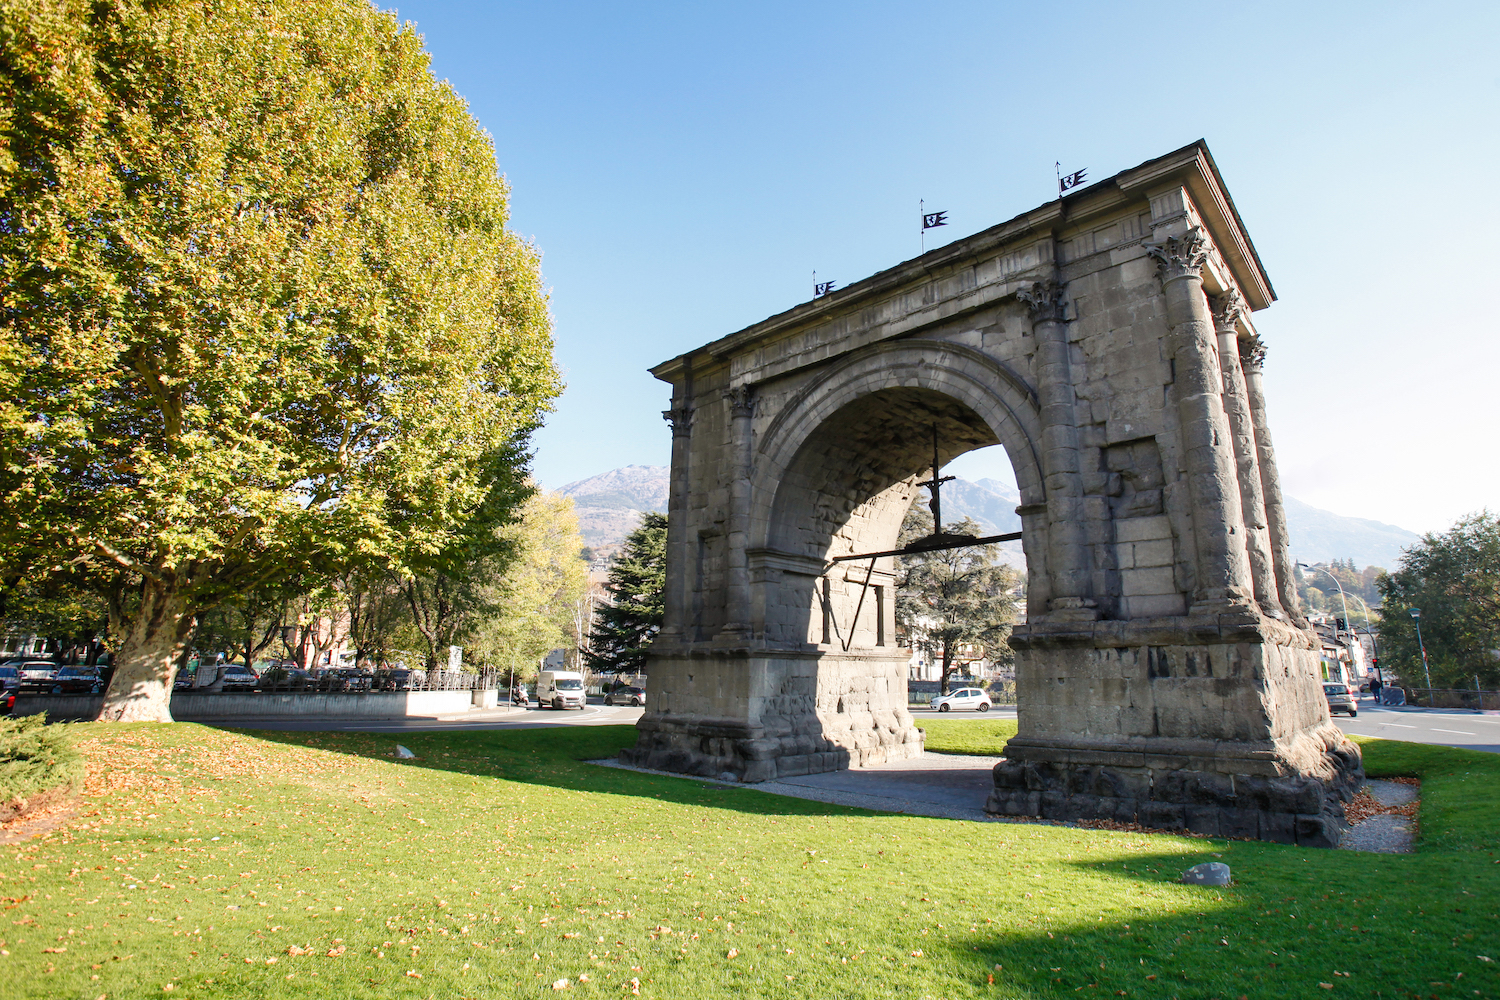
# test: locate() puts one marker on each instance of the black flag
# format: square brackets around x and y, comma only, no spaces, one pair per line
[822,288]
[934,219]
[1070,181]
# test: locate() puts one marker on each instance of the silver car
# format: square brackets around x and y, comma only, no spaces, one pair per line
[1341,699]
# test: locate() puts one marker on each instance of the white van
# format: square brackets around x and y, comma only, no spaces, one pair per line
[560,689]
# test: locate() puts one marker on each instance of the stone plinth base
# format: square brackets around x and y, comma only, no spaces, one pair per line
[1214,724]
[761,715]
[1175,788]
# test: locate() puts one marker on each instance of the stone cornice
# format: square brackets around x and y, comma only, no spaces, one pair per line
[1191,166]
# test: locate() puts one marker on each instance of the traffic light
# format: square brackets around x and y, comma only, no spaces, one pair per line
[1338,623]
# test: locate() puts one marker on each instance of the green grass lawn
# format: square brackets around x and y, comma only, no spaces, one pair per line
[220,864]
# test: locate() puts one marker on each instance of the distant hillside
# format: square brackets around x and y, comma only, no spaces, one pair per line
[1319,536]
[610,505]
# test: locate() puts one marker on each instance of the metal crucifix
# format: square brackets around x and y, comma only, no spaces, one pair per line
[935,542]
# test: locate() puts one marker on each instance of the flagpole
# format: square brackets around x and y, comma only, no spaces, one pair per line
[1057,169]
[922,230]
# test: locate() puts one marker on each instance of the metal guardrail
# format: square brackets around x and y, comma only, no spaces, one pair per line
[1479,701]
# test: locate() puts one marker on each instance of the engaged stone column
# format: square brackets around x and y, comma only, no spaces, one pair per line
[674,614]
[741,401]
[1223,573]
[1252,357]
[1228,309]
[1068,556]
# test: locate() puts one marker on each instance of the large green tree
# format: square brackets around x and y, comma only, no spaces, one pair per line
[624,628]
[1453,578]
[260,313]
[952,598]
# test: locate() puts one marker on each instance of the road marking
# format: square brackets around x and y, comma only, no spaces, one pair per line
[1458,732]
[1399,725]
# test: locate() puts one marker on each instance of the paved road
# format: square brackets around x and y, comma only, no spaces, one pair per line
[1445,727]
[1438,726]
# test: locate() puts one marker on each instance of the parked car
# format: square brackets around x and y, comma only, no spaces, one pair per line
[36,675]
[962,699]
[1341,699]
[8,701]
[397,679]
[239,678]
[281,678]
[10,677]
[626,696]
[77,680]
[340,679]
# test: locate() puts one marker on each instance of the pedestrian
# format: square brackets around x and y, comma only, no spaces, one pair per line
[1375,686]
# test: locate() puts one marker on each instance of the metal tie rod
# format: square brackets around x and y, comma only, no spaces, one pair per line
[964,542]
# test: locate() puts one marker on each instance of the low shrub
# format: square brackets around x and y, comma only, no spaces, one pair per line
[38,765]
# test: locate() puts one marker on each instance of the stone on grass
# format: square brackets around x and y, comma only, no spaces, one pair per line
[1208,873]
[404,753]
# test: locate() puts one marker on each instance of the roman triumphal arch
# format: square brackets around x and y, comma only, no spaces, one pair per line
[1165,673]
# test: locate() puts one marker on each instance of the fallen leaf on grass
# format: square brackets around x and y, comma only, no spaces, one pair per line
[413,974]
[560,984]
[1326,986]
[917,953]
[336,952]
[55,951]
[733,952]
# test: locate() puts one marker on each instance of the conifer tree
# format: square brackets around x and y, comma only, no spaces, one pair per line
[637,585]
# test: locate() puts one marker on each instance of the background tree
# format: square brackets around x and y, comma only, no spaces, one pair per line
[1454,578]
[625,627]
[379,614]
[952,598]
[248,624]
[451,590]
[532,601]
[261,313]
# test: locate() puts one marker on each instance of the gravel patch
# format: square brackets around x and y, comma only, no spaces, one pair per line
[1391,829]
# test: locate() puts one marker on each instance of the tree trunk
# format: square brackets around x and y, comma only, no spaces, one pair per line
[146,659]
[947,668]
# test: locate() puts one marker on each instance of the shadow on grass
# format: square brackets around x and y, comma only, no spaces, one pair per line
[1119,924]
[555,757]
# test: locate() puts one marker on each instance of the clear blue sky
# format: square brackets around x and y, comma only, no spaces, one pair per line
[685,167]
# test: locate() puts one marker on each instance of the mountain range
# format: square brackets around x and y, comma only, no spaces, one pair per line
[610,505]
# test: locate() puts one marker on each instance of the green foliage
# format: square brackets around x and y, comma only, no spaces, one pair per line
[34,758]
[262,314]
[1454,578]
[637,585]
[1361,589]
[529,606]
[952,598]
[850,903]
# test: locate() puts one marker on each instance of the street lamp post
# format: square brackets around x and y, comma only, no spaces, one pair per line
[1416,616]
[1342,599]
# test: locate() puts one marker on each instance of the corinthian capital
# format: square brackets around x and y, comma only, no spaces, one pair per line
[1180,257]
[1044,300]
[681,419]
[741,400]
[1252,354]
[1228,308]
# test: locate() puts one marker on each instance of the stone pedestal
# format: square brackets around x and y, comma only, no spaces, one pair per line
[1211,724]
[761,715]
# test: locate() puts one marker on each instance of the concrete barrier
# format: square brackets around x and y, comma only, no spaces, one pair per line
[191,706]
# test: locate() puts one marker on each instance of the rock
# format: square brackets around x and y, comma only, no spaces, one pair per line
[1208,873]
[729,776]
[404,753]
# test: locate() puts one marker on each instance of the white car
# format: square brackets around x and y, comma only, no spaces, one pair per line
[961,699]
